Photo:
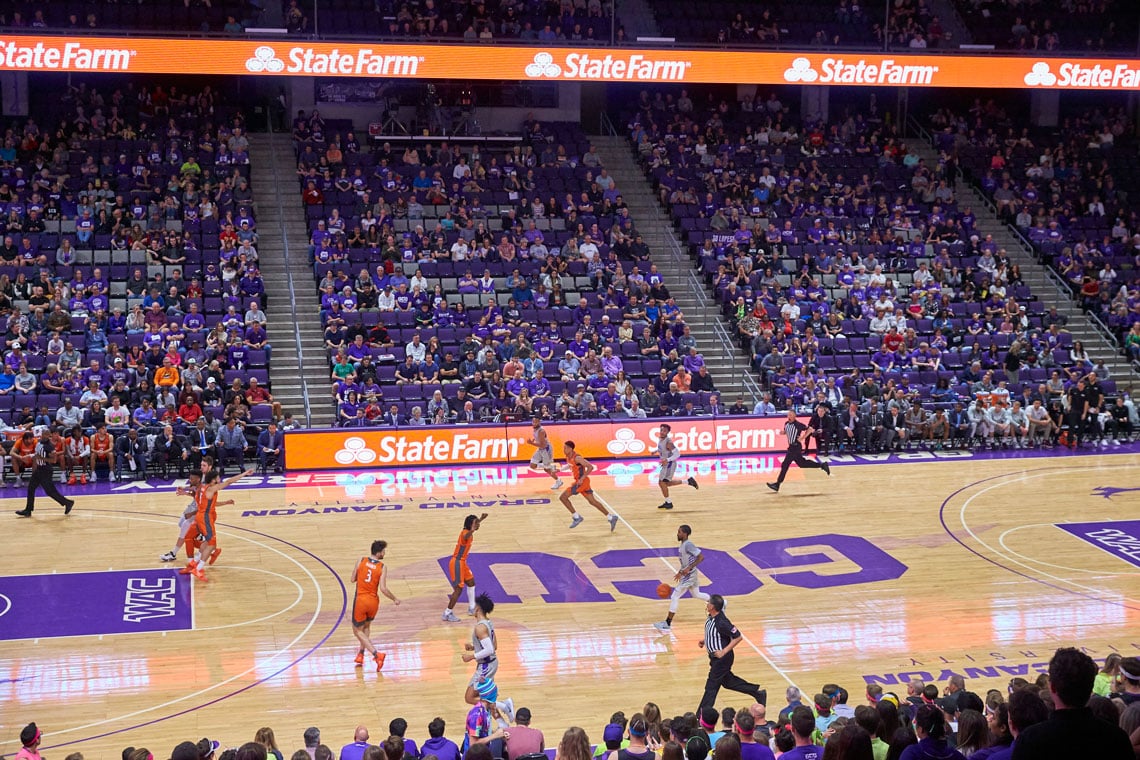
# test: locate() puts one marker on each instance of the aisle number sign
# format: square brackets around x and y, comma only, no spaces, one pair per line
[142,55]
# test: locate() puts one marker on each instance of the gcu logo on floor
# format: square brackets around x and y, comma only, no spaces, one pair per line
[567,581]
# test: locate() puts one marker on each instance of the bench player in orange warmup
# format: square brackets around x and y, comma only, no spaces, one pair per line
[371,579]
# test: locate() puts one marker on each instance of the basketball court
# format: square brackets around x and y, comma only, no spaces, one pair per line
[922,565]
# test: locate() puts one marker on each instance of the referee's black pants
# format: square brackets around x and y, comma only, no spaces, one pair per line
[795,454]
[42,478]
[721,676]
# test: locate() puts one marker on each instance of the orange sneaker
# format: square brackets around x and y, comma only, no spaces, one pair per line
[379,659]
[191,566]
[214,556]
[359,658]
[83,479]
[200,574]
[71,480]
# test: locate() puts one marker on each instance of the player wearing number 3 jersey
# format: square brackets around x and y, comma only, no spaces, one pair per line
[371,579]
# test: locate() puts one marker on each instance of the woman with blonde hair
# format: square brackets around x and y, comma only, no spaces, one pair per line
[265,738]
[575,745]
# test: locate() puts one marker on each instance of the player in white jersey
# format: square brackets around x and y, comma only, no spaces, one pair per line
[686,578]
[483,651]
[543,458]
[186,523]
[669,455]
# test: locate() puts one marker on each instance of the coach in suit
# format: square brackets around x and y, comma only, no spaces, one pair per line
[271,448]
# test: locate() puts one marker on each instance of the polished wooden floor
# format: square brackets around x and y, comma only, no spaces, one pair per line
[918,568]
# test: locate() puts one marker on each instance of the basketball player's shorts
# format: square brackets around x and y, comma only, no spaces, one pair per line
[667,470]
[364,609]
[458,573]
[484,671]
[206,529]
[585,488]
[543,459]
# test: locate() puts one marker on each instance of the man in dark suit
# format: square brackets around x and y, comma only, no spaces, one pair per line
[898,423]
[467,414]
[1072,730]
[271,448]
[168,451]
[130,454]
[853,427]
[959,424]
[392,417]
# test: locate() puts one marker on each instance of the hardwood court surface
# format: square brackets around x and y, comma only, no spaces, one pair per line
[876,573]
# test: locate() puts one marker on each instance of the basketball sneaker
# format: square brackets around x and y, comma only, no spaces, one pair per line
[191,566]
[613,519]
[557,485]
[214,556]
[663,626]
[449,617]
[693,483]
[774,486]
[71,480]
[509,709]
[665,505]
[359,659]
[826,468]
[199,573]
[379,660]
[83,480]
[168,557]
[578,520]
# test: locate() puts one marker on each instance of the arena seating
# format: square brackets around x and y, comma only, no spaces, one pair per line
[1079,26]
[824,23]
[1074,193]
[132,218]
[544,299]
[855,234]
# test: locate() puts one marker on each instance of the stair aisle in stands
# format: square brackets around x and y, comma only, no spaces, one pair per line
[299,371]
[725,362]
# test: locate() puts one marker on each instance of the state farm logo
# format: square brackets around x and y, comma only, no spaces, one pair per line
[634,67]
[625,442]
[800,71]
[264,60]
[1081,76]
[861,71]
[543,67]
[1041,75]
[356,485]
[355,451]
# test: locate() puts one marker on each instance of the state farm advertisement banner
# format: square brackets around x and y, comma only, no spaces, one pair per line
[364,448]
[142,55]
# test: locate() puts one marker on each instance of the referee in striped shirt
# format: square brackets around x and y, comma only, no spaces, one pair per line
[43,476]
[721,637]
[797,434]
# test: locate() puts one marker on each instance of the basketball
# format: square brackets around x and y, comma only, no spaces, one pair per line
[664,590]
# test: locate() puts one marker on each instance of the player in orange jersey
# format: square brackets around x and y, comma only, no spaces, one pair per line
[371,579]
[457,571]
[206,518]
[581,468]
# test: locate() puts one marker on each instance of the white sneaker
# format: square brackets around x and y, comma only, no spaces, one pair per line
[557,485]
[471,611]
[449,617]
[509,709]
[169,557]
[578,520]
[613,519]
[663,626]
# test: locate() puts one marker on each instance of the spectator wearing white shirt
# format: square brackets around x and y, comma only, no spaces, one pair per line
[588,249]
[460,250]
[634,410]
[764,407]
[416,349]
[386,301]
[69,415]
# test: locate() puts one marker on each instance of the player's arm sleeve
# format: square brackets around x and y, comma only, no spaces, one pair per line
[484,650]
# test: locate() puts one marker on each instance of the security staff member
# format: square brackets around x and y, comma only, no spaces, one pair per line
[43,476]
[797,434]
[721,637]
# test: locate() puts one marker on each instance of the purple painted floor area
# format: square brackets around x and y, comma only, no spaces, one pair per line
[1119,538]
[92,604]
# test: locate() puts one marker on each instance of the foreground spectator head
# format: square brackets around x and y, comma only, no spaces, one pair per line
[185,751]
[1071,676]
[575,745]
[251,751]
